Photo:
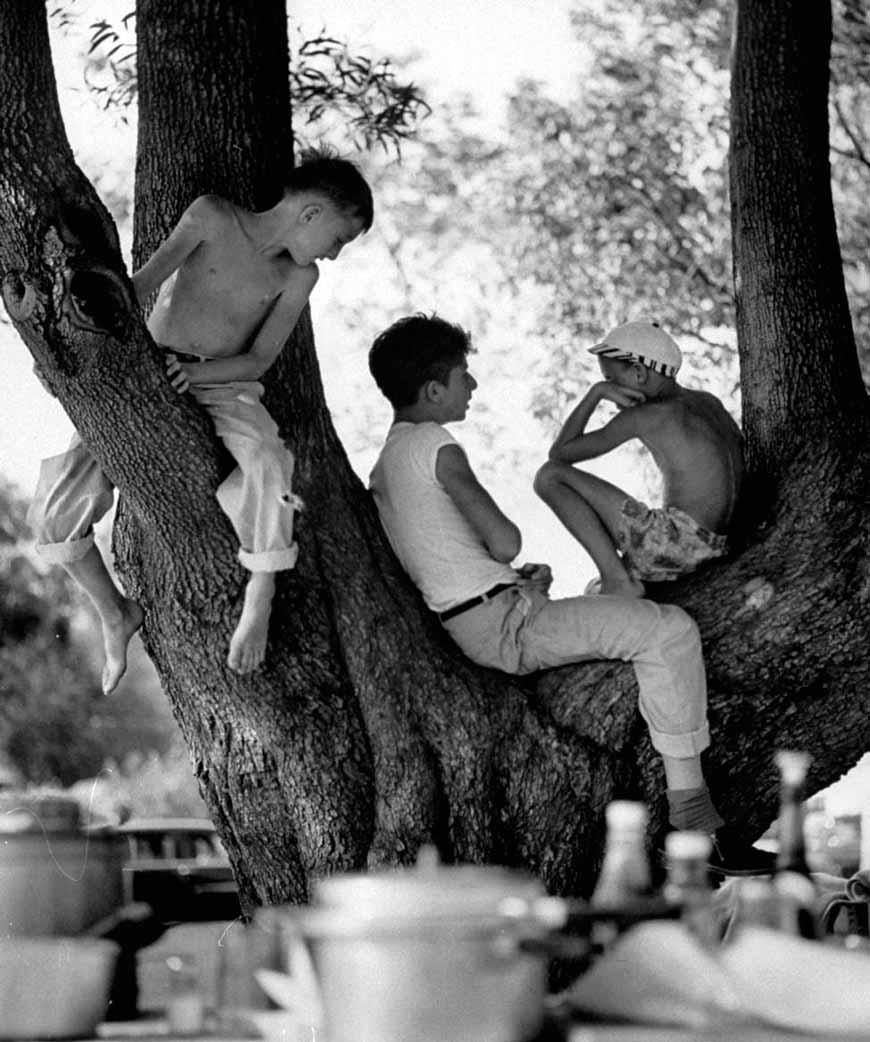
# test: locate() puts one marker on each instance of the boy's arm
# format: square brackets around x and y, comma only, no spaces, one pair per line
[190,231]
[498,533]
[277,326]
[573,444]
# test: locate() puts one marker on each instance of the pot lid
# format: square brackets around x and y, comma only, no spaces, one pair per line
[37,812]
[427,891]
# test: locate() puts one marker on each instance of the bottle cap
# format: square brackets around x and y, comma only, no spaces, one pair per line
[688,845]
[793,765]
[626,814]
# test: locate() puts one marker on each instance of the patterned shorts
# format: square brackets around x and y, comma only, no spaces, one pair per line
[660,544]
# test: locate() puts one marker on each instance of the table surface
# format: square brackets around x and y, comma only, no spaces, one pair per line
[146,1031]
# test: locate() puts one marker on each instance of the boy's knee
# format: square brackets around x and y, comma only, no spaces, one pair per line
[547,478]
[680,627]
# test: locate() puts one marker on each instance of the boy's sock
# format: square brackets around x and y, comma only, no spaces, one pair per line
[692,809]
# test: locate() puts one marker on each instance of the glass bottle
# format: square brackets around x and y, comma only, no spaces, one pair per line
[185,1008]
[687,885]
[625,874]
[793,883]
[757,904]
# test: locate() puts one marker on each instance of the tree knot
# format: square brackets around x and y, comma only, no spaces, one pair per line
[758,593]
[19,296]
[98,300]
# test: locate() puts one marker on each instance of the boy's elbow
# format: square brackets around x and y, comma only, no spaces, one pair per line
[253,367]
[560,453]
[508,545]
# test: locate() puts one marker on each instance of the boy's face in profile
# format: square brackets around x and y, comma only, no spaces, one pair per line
[619,372]
[456,393]
[322,232]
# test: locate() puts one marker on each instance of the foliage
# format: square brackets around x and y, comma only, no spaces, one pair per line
[48,693]
[337,95]
[149,785]
[850,157]
[55,724]
[614,204]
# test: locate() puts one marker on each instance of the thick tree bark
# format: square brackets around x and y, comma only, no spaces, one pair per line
[367,733]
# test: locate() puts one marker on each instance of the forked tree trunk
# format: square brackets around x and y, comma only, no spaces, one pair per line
[366,733]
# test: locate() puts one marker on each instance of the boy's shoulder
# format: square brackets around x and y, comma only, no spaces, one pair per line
[422,431]
[213,211]
[421,441]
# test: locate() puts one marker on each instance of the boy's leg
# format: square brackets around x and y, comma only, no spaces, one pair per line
[257,498]
[663,645]
[248,642]
[71,496]
[589,508]
[120,617]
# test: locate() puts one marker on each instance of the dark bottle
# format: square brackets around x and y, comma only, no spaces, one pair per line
[792,880]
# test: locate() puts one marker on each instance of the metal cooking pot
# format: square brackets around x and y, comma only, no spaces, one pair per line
[56,877]
[430,954]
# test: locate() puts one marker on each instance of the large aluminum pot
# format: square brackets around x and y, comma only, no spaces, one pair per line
[56,877]
[430,954]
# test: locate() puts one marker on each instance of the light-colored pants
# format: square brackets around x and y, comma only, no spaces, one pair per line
[522,630]
[73,493]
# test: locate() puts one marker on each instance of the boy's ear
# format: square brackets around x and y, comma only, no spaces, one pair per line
[641,373]
[310,212]
[431,391]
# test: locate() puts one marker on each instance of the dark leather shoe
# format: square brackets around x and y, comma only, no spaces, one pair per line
[735,857]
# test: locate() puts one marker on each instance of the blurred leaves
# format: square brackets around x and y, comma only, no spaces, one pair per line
[614,202]
[337,95]
[55,724]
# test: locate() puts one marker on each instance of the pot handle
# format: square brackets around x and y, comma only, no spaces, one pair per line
[552,913]
[556,947]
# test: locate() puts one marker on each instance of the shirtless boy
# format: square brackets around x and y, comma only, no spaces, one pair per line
[695,443]
[241,281]
[457,546]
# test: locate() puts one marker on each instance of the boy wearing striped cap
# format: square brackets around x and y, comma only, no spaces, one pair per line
[693,440]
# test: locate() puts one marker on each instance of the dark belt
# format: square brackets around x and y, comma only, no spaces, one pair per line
[482,598]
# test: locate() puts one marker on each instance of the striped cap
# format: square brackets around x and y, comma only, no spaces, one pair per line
[644,342]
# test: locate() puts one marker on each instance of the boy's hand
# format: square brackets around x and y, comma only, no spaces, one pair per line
[538,575]
[622,397]
[177,374]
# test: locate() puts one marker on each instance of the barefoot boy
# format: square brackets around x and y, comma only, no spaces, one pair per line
[457,547]
[241,281]
[693,440]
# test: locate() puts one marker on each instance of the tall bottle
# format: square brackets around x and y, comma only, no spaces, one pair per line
[625,874]
[793,883]
[687,885]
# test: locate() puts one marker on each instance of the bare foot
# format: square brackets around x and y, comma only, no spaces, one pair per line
[248,642]
[626,587]
[117,631]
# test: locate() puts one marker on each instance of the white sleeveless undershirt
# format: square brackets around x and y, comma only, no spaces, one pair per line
[438,548]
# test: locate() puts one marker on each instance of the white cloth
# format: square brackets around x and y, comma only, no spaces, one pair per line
[437,547]
[257,497]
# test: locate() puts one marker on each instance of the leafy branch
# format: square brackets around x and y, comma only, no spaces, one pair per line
[334,91]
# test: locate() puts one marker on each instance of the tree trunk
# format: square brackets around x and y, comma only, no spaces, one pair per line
[367,733]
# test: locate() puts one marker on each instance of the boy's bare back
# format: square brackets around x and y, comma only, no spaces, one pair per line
[226,286]
[697,446]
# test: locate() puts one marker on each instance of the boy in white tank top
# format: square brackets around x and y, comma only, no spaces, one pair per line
[457,546]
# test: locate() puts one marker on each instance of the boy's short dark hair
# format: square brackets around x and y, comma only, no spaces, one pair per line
[338,179]
[414,350]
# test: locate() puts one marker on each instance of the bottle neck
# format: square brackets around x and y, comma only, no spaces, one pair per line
[792,856]
[625,870]
[686,875]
